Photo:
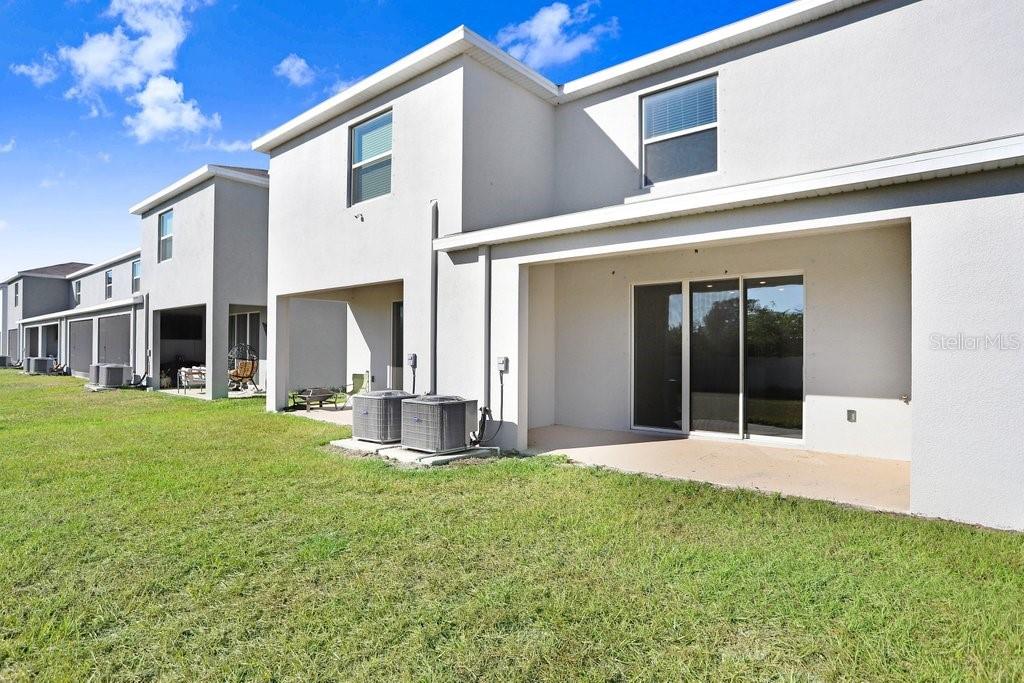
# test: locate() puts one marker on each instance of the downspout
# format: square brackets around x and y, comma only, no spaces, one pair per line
[147,352]
[433,297]
[486,252]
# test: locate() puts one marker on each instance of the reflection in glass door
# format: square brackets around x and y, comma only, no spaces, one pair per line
[715,356]
[658,356]
[774,356]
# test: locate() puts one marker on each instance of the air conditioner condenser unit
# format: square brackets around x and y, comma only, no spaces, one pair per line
[438,424]
[377,416]
[38,366]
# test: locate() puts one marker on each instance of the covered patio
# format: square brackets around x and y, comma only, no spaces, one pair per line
[873,483]
[347,339]
[780,364]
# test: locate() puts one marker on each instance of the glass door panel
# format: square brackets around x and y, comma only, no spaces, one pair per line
[658,356]
[774,356]
[715,356]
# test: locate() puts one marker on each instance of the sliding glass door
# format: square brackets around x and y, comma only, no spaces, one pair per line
[774,356]
[745,363]
[715,356]
[658,356]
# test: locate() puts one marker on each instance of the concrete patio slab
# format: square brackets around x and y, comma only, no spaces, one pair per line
[871,483]
[201,394]
[405,456]
[330,414]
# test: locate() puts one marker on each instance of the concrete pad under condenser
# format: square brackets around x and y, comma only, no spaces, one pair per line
[405,456]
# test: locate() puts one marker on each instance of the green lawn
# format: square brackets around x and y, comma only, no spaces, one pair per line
[148,537]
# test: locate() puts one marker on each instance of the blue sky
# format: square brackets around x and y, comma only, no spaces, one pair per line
[103,102]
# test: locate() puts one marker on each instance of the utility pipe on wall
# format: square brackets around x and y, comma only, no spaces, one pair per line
[433,297]
[486,253]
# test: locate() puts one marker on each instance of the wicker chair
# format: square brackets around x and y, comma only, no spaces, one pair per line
[245,365]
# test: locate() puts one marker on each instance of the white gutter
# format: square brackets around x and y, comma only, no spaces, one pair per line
[100,266]
[197,177]
[73,312]
[971,158]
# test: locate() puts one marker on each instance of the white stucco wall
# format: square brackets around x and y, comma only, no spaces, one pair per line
[318,344]
[186,279]
[94,285]
[968,454]
[508,151]
[882,79]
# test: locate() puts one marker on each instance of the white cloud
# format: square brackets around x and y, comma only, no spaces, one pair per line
[52,181]
[132,60]
[3,225]
[40,73]
[225,145]
[296,70]
[163,109]
[9,147]
[103,156]
[342,84]
[556,34]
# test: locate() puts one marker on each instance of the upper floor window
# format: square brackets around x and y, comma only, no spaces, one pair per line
[680,130]
[78,292]
[136,276]
[17,294]
[165,242]
[371,159]
[108,284]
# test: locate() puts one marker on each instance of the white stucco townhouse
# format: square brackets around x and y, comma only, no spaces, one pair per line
[802,228]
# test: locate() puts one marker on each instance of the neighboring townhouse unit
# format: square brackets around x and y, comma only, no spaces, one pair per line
[204,255]
[32,293]
[804,228]
[100,320]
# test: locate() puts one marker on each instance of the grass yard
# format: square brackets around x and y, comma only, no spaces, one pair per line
[148,537]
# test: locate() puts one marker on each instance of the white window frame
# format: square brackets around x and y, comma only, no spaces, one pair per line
[136,279]
[644,140]
[741,434]
[160,239]
[17,294]
[78,292]
[353,165]
[108,284]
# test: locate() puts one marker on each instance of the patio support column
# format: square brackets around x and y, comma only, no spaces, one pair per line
[153,359]
[217,349]
[278,352]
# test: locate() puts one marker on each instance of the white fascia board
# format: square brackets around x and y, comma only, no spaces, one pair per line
[73,312]
[454,43]
[744,31]
[194,178]
[971,158]
[131,255]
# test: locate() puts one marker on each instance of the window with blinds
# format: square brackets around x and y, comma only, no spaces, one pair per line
[680,130]
[371,159]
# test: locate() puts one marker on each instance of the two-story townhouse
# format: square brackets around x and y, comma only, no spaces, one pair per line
[100,319]
[30,293]
[204,253]
[799,229]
